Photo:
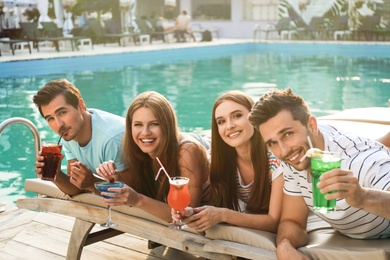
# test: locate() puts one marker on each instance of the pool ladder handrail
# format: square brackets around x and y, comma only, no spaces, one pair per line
[29,124]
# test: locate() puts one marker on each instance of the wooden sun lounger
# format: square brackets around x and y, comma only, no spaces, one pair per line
[220,242]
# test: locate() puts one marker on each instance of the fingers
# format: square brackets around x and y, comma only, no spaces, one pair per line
[175,216]
[106,168]
[117,196]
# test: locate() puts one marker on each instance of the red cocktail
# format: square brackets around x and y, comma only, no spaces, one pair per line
[178,196]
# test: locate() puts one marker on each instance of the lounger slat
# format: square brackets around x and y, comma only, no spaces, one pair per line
[231,248]
[87,215]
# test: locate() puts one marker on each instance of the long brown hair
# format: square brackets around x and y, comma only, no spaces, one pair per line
[142,167]
[223,168]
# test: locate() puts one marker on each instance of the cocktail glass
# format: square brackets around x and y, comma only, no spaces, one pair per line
[52,159]
[321,162]
[103,186]
[178,197]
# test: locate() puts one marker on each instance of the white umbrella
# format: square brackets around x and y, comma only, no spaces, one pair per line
[43,8]
[59,11]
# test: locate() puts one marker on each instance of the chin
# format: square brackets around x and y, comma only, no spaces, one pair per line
[302,166]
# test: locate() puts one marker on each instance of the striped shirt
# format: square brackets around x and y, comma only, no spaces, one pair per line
[370,163]
[244,191]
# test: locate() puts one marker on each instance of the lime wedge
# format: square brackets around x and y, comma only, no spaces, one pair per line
[313,152]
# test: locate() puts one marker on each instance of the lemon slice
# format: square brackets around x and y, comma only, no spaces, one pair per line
[313,152]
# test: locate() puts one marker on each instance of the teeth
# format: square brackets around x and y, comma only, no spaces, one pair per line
[147,140]
[294,157]
[234,134]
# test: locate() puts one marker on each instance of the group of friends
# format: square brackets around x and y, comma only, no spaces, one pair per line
[250,174]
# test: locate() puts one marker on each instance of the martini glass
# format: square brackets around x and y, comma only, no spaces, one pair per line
[178,197]
[103,186]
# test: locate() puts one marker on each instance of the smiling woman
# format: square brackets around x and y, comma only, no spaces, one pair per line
[152,131]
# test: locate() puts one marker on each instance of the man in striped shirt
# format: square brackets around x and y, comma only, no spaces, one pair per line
[361,185]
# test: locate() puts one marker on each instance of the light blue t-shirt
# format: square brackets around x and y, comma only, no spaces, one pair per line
[105,145]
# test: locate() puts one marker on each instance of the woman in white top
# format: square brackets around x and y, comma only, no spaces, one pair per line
[246,182]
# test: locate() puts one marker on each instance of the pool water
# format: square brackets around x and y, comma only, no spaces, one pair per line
[330,78]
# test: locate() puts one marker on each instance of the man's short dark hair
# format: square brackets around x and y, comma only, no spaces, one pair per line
[54,88]
[276,100]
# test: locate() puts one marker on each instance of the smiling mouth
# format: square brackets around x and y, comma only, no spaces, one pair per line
[234,134]
[294,158]
[147,141]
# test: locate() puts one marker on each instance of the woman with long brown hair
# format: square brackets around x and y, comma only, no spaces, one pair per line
[246,180]
[152,131]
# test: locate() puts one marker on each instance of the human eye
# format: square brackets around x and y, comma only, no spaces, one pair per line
[220,121]
[49,119]
[155,124]
[237,115]
[137,124]
[270,144]
[288,134]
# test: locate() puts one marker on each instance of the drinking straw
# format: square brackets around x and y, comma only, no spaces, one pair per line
[163,169]
[308,139]
[311,147]
[59,139]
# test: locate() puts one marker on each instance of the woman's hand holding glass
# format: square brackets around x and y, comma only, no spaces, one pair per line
[181,216]
[203,218]
[123,196]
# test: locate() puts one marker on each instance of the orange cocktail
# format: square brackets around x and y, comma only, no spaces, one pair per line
[179,195]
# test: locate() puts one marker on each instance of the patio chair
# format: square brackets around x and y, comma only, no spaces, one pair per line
[147,31]
[316,27]
[369,28]
[31,33]
[110,33]
[54,34]
[284,27]
[339,28]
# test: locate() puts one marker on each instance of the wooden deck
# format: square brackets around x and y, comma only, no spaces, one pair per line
[26,234]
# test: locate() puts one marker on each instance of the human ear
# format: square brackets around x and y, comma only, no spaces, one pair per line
[82,104]
[312,125]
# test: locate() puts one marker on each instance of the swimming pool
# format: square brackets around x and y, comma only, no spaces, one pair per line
[330,77]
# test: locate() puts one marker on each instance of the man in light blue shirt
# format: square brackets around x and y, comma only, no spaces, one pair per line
[89,136]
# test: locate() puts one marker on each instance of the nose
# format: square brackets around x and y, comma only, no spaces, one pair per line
[284,149]
[59,122]
[230,124]
[145,130]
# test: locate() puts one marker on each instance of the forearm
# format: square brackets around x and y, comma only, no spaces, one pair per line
[63,183]
[377,202]
[256,221]
[295,234]
[157,208]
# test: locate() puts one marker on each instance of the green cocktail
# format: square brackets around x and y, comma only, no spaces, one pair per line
[321,162]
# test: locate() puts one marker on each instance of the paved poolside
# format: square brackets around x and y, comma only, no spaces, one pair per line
[49,52]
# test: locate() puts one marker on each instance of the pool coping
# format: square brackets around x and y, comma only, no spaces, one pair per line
[49,52]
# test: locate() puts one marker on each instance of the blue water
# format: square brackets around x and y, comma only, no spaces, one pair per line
[330,77]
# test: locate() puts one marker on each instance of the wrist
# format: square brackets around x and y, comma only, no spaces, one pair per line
[137,200]
[223,215]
